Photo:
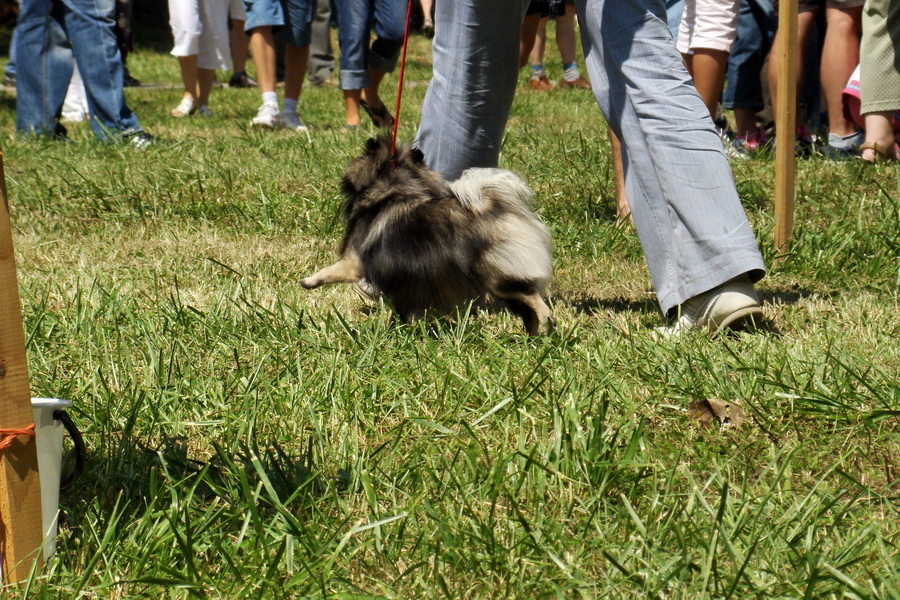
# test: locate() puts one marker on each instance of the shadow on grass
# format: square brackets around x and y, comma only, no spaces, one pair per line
[138,474]
[590,305]
[794,296]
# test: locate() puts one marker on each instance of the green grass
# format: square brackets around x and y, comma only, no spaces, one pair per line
[250,439]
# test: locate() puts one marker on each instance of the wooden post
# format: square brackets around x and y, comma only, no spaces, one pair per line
[785,126]
[21,535]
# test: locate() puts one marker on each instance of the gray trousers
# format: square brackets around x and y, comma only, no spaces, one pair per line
[688,216]
[321,56]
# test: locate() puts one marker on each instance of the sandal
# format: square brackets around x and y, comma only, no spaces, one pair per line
[428,29]
[880,152]
[380,116]
[185,108]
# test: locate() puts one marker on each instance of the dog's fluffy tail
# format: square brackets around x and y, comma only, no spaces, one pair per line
[478,190]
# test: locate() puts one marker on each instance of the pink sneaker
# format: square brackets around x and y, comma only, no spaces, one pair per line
[749,144]
[755,140]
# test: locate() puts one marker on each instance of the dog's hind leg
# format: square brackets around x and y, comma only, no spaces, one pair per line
[346,270]
[530,306]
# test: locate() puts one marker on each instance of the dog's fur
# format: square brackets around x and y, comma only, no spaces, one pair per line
[432,247]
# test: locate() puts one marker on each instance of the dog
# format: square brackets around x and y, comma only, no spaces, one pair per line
[430,247]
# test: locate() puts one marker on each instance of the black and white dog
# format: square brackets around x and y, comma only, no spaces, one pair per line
[431,247]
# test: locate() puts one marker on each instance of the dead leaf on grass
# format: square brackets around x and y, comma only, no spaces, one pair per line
[713,410]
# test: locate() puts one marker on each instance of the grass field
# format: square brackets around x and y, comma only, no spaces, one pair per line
[250,439]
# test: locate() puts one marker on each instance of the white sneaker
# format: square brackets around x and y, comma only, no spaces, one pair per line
[291,120]
[733,305]
[267,116]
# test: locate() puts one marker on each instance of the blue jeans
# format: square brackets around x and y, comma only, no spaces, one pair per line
[50,33]
[674,10]
[10,69]
[688,215]
[291,19]
[355,18]
[755,31]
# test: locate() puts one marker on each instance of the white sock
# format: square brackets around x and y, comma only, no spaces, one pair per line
[570,72]
[290,105]
[270,98]
[845,142]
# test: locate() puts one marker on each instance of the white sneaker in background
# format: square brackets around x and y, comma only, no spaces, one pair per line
[267,116]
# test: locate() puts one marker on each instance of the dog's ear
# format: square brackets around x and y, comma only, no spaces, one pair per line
[372,145]
[417,156]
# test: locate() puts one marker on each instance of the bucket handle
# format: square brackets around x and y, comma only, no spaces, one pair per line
[77,441]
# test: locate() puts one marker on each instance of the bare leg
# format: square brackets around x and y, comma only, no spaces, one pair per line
[295,64]
[840,55]
[239,44]
[529,34]
[262,45]
[707,67]
[205,79]
[744,121]
[879,136]
[192,91]
[370,93]
[380,113]
[540,42]
[565,35]
[623,211]
[427,12]
[188,66]
[351,107]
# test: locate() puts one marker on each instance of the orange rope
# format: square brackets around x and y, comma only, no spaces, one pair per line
[8,436]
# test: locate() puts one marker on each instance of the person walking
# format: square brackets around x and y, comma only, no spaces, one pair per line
[54,35]
[702,253]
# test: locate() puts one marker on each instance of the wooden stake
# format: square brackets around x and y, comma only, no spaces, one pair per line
[21,536]
[785,126]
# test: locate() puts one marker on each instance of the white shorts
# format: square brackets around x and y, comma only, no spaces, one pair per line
[708,24]
[200,27]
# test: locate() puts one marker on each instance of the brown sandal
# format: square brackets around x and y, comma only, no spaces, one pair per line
[881,153]
[380,116]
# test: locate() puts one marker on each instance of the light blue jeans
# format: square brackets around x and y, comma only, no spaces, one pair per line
[674,10]
[689,218]
[355,19]
[10,69]
[50,33]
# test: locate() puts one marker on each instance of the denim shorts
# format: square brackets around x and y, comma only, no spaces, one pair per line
[291,19]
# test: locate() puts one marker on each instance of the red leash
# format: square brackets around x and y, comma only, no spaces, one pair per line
[400,84]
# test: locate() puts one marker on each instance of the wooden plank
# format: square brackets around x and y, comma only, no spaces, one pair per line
[785,126]
[21,539]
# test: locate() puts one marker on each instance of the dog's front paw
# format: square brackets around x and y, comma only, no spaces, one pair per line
[311,282]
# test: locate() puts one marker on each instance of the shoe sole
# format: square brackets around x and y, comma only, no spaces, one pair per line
[740,320]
